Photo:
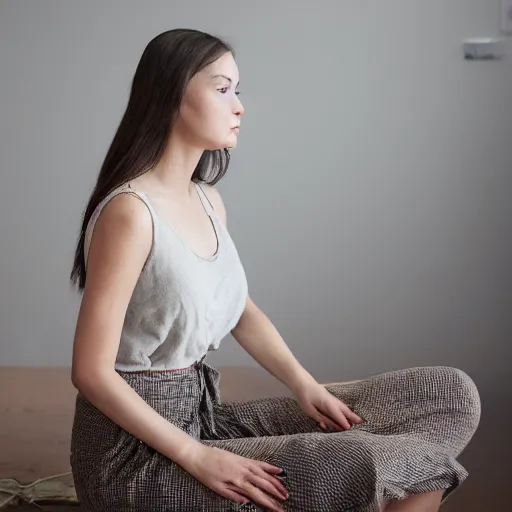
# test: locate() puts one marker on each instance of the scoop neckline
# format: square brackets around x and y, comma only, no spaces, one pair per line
[216,230]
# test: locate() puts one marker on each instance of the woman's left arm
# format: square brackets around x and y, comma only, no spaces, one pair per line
[258,336]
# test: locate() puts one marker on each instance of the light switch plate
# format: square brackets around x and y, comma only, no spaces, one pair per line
[506,16]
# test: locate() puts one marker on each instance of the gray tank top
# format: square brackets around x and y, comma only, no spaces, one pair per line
[183,305]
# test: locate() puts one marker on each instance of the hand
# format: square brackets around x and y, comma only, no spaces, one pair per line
[325,408]
[237,478]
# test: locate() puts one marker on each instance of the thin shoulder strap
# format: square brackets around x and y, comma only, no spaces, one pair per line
[123,189]
[201,192]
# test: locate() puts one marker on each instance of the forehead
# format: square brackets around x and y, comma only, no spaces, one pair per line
[224,68]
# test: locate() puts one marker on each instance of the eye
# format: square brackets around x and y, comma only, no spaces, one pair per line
[224,90]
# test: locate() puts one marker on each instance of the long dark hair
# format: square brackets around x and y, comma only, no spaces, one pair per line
[167,64]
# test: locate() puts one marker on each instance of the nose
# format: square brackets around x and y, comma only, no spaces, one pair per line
[239,108]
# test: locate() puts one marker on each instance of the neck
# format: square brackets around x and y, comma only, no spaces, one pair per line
[175,168]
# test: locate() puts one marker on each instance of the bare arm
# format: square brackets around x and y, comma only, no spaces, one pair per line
[119,248]
[258,336]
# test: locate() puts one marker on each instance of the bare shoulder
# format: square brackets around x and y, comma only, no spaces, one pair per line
[124,224]
[215,198]
[126,210]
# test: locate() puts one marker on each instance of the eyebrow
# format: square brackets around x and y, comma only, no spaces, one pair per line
[227,78]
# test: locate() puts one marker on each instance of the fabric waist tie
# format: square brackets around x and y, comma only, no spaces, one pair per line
[209,379]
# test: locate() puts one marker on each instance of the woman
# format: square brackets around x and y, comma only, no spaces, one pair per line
[162,284]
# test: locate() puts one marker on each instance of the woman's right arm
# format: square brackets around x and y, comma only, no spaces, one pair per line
[119,248]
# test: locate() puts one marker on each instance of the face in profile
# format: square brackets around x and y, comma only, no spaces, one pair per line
[210,113]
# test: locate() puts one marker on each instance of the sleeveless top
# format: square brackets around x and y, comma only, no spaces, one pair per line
[183,304]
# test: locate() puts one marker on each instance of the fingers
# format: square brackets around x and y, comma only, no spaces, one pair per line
[335,419]
[338,416]
[351,415]
[233,495]
[270,487]
[269,468]
[259,497]
[346,416]
[261,486]
[325,422]
[276,484]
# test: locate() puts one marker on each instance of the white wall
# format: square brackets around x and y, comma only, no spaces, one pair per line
[369,196]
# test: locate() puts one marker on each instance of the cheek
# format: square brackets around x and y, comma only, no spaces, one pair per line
[203,112]
[206,118]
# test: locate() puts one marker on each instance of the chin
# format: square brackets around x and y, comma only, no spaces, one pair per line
[232,144]
[221,145]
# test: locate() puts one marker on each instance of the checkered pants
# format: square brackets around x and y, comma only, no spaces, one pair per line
[416,422]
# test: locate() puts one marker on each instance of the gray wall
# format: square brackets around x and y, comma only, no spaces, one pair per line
[369,196]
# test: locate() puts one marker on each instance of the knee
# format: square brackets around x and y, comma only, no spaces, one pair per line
[451,389]
[462,393]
